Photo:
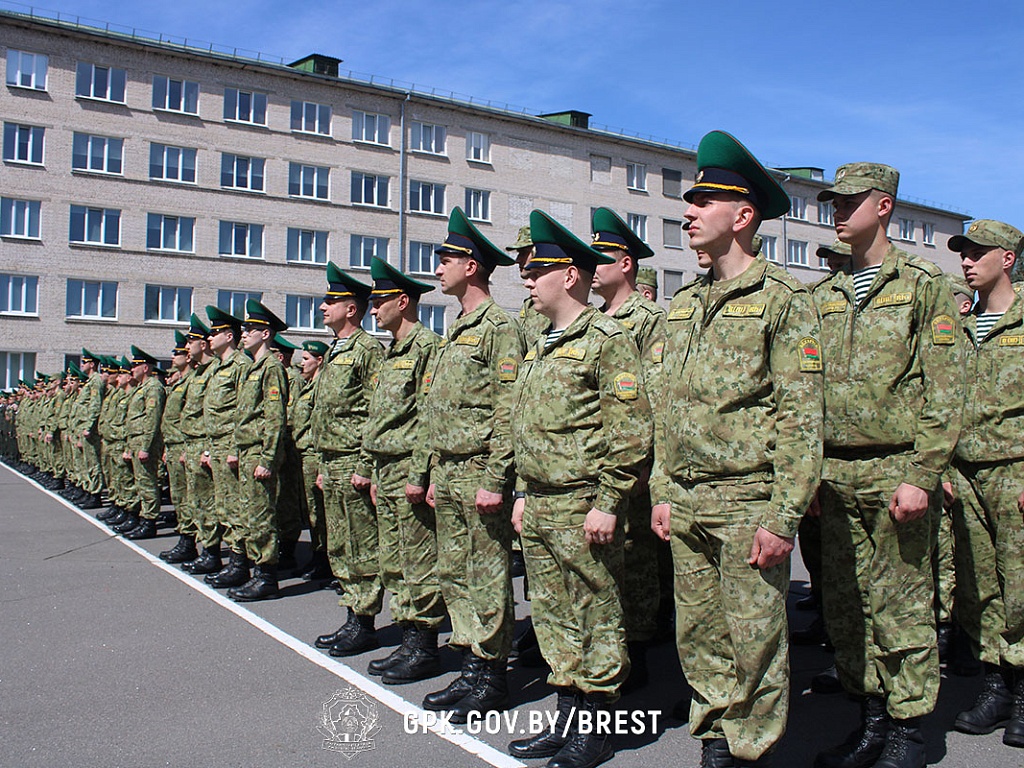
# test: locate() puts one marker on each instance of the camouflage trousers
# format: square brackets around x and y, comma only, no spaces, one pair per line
[89,464]
[147,484]
[199,493]
[878,585]
[990,560]
[177,483]
[316,519]
[122,478]
[731,628]
[641,586]
[474,554]
[291,516]
[257,500]
[222,521]
[408,547]
[575,594]
[944,568]
[351,531]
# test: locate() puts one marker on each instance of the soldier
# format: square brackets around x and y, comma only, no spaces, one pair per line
[300,409]
[174,447]
[396,438]
[737,455]
[291,513]
[532,321]
[145,446]
[989,480]
[467,413]
[341,403]
[88,409]
[581,431]
[124,473]
[893,402]
[647,282]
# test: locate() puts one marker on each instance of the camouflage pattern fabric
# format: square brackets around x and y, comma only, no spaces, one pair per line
[174,444]
[145,410]
[199,493]
[87,413]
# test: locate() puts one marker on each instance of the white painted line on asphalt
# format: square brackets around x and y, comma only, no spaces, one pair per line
[465,741]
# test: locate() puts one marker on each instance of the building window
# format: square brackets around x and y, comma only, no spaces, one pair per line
[368,189]
[636,176]
[928,233]
[365,248]
[166,304]
[23,143]
[308,181]
[175,95]
[238,172]
[823,260]
[16,367]
[20,218]
[826,213]
[26,70]
[432,316]
[240,239]
[796,253]
[671,183]
[425,197]
[371,128]
[370,325]
[233,302]
[172,163]
[307,246]
[170,233]
[638,223]
[673,281]
[309,117]
[245,106]
[907,229]
[478,204]
[769,247]
[672,233]
[422,259]
[95,82]
[428,138]
[302,312]
[95,226]
[797,207]
[97,153]
[478,147]
[91,299]
[18,294]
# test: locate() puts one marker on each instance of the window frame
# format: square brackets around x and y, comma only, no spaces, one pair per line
[233,115]
[232,295]
[361,182]
[484,147]
[299,121]
[364,262]
[36,58]
[636,177]
[317,170]
[111,75]
[318,239]
[902,230]
[86,212]
[183,100]
[420,127]
[826,213]
[432,310]
[417,259]
[637,222]
[802,248]
[163,219]
[102,286]
[359,132]
[309,307]
[181,315]
[770,243]
[24,369]
[796,201]
[32,211]
[250,173]
[7,290]
[36,141]
[231,228]
[90,139]
[416,193]
[182,153]
[485,204]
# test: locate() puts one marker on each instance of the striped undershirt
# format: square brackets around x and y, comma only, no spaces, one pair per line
[985,322]
[862,279]
[553,336]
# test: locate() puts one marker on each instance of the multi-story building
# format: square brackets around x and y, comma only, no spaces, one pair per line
[142,180]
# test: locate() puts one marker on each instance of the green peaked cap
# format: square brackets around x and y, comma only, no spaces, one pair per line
[87,355]
[317,348]
[280,342]
[140,357]
[464,239]
[180,342]
[611,233]
[197,329]
[257,314]
[388,281]
[125,364]
[219,320]
[725,165]
[341,285]
[554,245]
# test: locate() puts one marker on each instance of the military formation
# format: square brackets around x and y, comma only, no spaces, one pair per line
[632,454]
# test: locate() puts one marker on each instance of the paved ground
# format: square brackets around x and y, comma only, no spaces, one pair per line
[109,657]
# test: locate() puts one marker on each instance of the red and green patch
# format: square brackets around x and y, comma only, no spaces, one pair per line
[507,369]
[626,386]
[943,330]
[810,354]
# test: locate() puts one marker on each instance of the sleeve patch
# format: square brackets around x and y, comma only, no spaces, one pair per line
[657,352]
[151,402]
[274,393]
[508,369]
[625,386]
[942,330]
[810,354]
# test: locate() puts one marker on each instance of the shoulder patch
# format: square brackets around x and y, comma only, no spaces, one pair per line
[625,386]
[832,307]
[508,369]
[530,355]
[442,343]
[657,352]
[744,310]
[681,313]
[274,393]
[943,330]
[810,354]
[894,299]
[151,402]
[574,353]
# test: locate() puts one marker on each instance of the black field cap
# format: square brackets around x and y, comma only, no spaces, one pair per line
[221,320]
[197,328]
[258,315]
[725,165]
[613,234]
[388,281]
[317,348]
[464,239]
[141,357]
[340,285]
[554,245]
[180,344]
[282,344]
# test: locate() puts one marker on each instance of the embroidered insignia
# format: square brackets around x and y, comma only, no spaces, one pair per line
[625,386]
[942,330]
[893,299]
[681,313]
[468,341]
[657,351]
[574,353]
[972,228]
[832,307]
[743,310]
[840,174]
[1011,341]
[629,325]
[810,354]
[530,355]
[427,381]
[507,369]
[274,393]
[403,365]
[343,361]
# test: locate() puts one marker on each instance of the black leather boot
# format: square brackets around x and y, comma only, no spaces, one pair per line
[1013,736]
[182,552]
[488,694]
[361,639]
[208,562]
[108,513]
[286,556]
[586,748]
[993,707]
[262,585]
[90,501]
[380,666]
[146,529]
[827,681]
[319,568]
[526,649]
[904,748]
[167,519]
[454,692]
[119,516]
[638,674]
[864,746]
[234,574]
[130,521]
[421,662]
[547,743]
[326,641]
[714,753]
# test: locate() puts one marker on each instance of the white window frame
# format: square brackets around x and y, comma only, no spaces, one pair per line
[478,204]
[232,234]
[235,304]
[312,118]
[21,219]
[358,246]
[97,148]
[428,314]
[369,325]
[673,280]
[798,207]
[770,248]
[170,152]
[81,287]
[19,295]
[429,192]
[308,246]
[185,102]
[93,217]
[17,366]
[826,213]
[636,176]
[30,138]
[180,313]
[308,307]
[112,87]
[906,230]
[371,128]
[298,176]
[638,223]
[172,229]
[428,138]
[478,147]
[233,106]
[927,233]
[796,253]
[420,251]
[371,189]
[27,70]
[243,172]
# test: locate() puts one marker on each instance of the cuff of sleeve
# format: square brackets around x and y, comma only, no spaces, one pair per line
[925,479]
[610,503]
[489,483]
[780,523]
[420,479]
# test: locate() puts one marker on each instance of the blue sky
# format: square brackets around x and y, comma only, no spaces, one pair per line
[935,89]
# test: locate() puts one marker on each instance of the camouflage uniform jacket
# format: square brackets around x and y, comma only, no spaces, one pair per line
[341,396]
[145,410]
[175,398]
[645,320]
[300,410]
[894,365]
[262,410]
[119,416]
[60,423]
[531,321]
[394,426]
[743,390]
[90,401]
[110,398]
[582,418]
[191,421]
[993,428]
[469,401]
[220,399]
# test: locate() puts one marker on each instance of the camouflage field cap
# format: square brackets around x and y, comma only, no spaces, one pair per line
[992,233]
[464,239]
[317,348]
[556,246]
[281,344]
[756,244]
[838,248]
[647,276]
[611,233]
[180,344]
[258,315]
[725,165]
[523,240]
[960,286]
[854,178]
[341,285]
[388,281]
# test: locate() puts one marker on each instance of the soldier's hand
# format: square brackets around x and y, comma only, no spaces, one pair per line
[814,510]
[204,459]
[908,503]
[431,490]
[948,496]
[487,502]
[519,506]
[599,527]
[416,494]
[769,549]
[232,461]
[126,456]
[143,455]
[373,493]
[262,473]
[163,458]
[320,481]
[86,432]
[1020,502]
[360,483]
[182,459]
[661,514]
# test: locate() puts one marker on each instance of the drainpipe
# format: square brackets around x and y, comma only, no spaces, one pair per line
[402,258]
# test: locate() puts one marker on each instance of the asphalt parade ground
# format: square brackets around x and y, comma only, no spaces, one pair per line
[110,657]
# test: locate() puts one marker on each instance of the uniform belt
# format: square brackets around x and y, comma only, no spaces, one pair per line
[533,489]
[860,452]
